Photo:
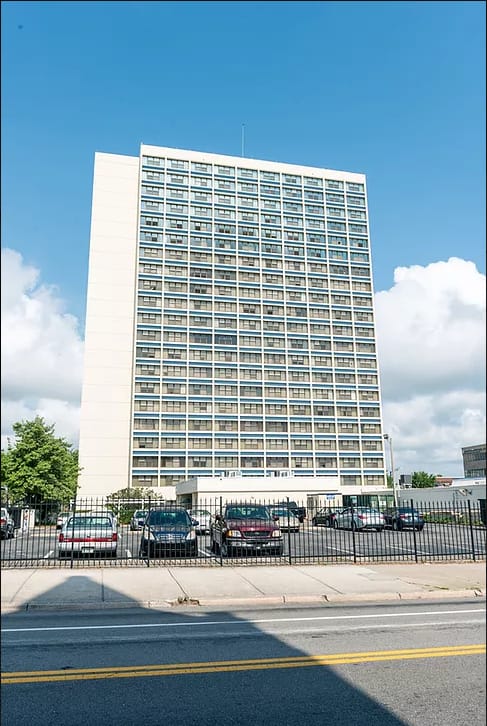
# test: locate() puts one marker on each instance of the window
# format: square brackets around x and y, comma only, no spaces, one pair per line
[199,407]
[204,338]
[274,409]
[199,443]
[226,425]
[226,443]
[146,405]
[199,462]
[198,166]
[252,462]
[223,407]
[225,390]
[251,425]
[200,354]
[199,425]
[198,389]
[252,444]
[247,173]
[229,462]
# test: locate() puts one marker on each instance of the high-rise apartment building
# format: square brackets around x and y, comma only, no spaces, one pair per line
[230,323]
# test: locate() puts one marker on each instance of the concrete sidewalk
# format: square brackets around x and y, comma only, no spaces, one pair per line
[233,587]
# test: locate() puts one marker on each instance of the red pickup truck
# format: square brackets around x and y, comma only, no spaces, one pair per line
[245,528]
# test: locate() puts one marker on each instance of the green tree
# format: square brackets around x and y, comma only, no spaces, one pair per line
[124,502]
[133,494]
[39,466]
[422,480]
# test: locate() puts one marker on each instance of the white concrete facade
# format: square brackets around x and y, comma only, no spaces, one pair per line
[266,489]
[106,401]
[230,324]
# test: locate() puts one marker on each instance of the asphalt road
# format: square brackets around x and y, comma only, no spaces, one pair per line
[435,541]
[412,663]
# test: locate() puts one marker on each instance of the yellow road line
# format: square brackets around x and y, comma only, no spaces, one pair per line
[166,669]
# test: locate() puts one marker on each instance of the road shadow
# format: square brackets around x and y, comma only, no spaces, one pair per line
[265,692]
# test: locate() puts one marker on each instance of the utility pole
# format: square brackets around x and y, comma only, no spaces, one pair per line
[393,471]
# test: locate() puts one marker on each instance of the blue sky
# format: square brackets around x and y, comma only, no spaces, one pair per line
[391,89]
[395,90]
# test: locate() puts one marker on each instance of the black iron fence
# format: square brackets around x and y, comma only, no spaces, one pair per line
[144,533]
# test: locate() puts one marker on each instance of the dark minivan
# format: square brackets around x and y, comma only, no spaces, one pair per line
[169,530]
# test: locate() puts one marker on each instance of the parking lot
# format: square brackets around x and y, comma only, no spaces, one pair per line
[311,544]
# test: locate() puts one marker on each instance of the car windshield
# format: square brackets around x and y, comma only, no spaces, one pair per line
[168,518]
[243,512]
[140,513]
[283,513]
[89,523]
[200,512]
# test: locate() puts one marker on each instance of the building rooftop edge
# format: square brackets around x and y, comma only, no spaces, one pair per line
[266,164]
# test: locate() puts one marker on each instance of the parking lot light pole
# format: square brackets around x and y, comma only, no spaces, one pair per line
[393,471]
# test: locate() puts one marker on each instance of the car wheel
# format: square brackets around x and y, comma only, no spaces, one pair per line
[394,525]
[354,526]
[379,529]
[335,524]
[420,528]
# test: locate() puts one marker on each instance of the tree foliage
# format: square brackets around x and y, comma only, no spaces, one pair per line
[422,480]
[134,493]
[39,466]
[124,502]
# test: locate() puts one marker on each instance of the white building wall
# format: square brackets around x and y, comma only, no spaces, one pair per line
[104,447]
[258,488]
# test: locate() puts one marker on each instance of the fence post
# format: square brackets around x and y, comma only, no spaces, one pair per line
[147,519]
[72,530]
[471,529]
[289,534]
[414,533]
[221,533]
[352,510]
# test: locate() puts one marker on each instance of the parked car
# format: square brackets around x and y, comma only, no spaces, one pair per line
[137,520]
[7,524]
[403,518]
[61,519]
[288,522]
[88,534]
[324,517]
[359,518]
[244,528]
[169,530]
[300,512]
[202,518]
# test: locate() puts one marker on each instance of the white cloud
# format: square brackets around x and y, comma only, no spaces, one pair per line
[431,343]
[42,352]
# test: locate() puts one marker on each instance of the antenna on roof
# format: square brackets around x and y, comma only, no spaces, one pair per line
[243,139]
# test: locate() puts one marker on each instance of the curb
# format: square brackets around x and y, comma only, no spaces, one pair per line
[251,601]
